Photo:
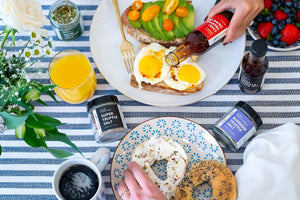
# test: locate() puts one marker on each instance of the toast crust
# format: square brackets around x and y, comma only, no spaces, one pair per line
[161,87]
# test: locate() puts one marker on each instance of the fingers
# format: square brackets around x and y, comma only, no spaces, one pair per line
[222,6]
[130,181]
[141,176]
[123,191]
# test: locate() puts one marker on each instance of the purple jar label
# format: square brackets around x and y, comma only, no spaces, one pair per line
[238,126]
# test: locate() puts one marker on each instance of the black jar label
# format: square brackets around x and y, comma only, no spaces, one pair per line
[107,117]
[70,34]
[250,83]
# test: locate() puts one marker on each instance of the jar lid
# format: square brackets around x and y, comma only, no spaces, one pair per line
[101,100]
[259,48]
[252,113]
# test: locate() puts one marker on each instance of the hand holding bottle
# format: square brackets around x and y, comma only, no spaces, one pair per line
[245,11]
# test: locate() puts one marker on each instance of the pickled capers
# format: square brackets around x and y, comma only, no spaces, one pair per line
[64,16]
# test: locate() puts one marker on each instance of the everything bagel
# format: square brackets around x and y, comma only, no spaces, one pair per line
[157,148]
[219,177]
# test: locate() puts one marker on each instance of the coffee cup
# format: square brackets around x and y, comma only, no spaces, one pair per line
[80,178]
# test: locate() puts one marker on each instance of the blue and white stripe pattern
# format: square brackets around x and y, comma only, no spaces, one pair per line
[26,173]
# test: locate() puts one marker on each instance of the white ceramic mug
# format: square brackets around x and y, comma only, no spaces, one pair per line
[97,163]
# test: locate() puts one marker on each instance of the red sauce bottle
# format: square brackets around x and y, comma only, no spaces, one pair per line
[253,68]
[201,38]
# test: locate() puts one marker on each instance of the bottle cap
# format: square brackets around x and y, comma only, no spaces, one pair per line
[101,100]
[259,48]
[251,112]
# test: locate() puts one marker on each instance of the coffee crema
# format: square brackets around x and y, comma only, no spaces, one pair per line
[78,182]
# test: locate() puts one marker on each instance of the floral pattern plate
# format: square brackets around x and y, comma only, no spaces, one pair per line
[197,142]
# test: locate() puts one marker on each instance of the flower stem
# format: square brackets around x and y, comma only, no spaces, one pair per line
[7,33]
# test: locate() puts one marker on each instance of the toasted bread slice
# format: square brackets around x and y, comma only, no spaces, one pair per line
[164,88]
[142,36]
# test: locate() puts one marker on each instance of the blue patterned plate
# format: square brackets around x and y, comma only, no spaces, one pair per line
[197,142]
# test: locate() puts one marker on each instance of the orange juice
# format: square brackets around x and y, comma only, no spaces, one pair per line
[73,75]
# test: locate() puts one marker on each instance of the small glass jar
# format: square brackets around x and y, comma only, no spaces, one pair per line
[107,119]
[235,127]
[66,22]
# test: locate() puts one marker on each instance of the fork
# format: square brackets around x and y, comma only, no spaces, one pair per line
[126,47]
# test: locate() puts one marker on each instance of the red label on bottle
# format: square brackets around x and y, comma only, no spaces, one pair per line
[214,29]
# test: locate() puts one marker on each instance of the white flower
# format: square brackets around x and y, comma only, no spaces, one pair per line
[23,15]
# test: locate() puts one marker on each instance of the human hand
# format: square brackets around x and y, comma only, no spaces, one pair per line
[137,185]
[245,11]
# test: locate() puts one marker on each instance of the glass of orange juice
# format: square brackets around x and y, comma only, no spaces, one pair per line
[73,75]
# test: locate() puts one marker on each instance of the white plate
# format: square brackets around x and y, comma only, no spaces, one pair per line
[197,142]
[220,63]
[292,47]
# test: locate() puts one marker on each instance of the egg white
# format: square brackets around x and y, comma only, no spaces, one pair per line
[173,81]
[148,50]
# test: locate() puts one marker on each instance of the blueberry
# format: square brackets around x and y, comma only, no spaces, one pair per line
[274,30]
[295,4]
[280,27]
[288,3]
[259,18]
[288,21]
[287,10]
[278,36]
[293,11]
[274,21]
[282,44]
[267,18]
[274,7]
[275,1]
[275,43]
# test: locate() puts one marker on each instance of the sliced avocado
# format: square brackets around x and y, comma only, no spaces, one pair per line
[187,23]
[177,31]
[145,25]
[156,25]
[148,25]
[135,24]
[163,17]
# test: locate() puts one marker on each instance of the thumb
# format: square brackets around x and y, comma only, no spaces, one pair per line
[222,6]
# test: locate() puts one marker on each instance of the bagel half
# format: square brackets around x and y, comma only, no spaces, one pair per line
[219,177]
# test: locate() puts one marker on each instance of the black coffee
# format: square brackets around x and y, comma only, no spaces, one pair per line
[79,182]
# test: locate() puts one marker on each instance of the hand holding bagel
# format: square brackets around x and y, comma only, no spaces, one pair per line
[137,185]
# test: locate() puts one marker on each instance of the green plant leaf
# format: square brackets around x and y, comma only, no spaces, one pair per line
[59,153]
[0,150]
[55,135]
[43,122]
[41,102]
[20,131]
[13,121]
[33,140]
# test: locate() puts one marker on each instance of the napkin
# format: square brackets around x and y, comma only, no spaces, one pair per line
[271,168]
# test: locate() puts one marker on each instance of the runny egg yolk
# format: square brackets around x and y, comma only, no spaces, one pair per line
[189,73]
[150,66]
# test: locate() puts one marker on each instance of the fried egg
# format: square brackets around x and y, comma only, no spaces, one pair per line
[149,64]
[186,75]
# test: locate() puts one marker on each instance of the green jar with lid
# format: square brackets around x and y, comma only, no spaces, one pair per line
[66,21]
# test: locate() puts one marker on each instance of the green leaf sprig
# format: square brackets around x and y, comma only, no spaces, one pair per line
[17,94]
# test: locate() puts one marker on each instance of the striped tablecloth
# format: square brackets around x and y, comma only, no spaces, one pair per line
[26,173]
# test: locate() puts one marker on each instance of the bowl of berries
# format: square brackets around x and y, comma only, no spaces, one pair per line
[278,24]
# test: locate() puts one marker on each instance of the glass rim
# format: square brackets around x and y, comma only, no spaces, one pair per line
[68,51]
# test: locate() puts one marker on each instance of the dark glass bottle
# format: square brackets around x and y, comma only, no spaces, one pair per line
[201,38]
[253,68]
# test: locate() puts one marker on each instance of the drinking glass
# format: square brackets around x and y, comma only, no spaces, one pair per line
[73,75]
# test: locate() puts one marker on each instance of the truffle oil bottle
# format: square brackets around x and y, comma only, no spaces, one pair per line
[253,68]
